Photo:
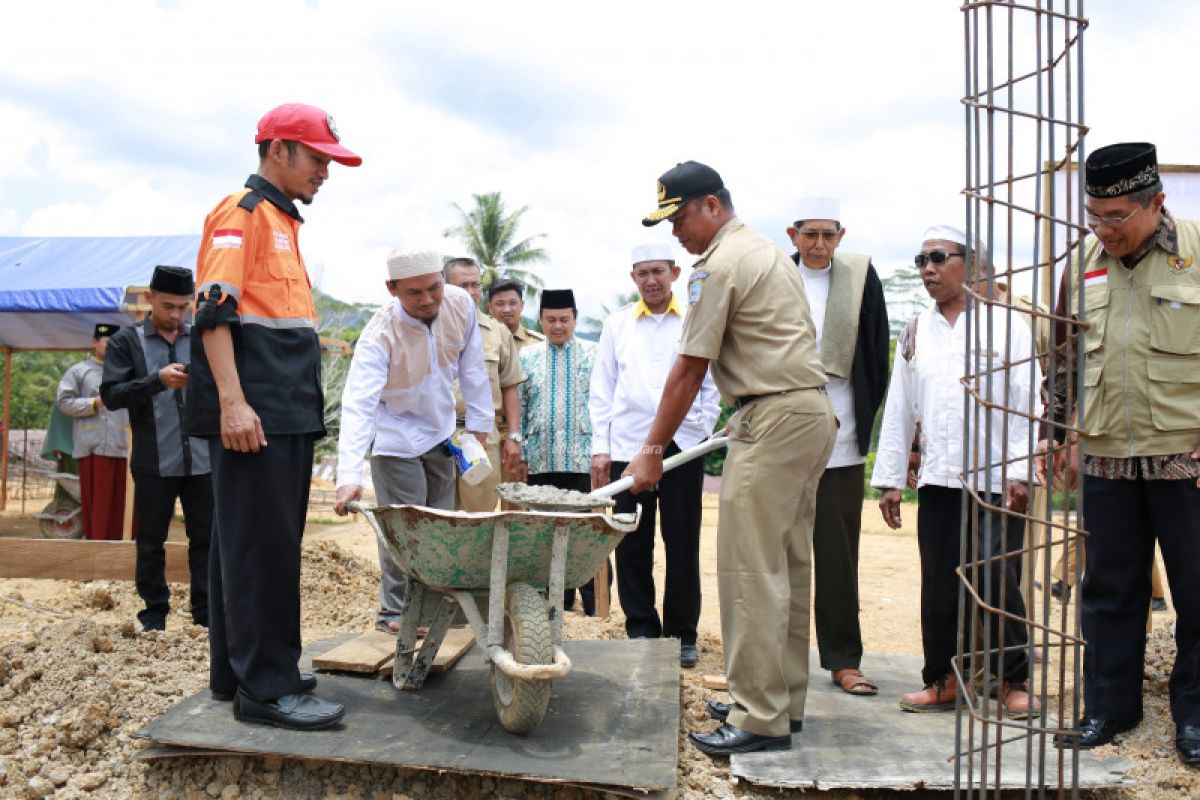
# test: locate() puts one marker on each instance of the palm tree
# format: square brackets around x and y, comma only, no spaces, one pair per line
[490,236]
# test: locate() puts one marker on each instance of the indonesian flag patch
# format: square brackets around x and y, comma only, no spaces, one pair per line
[1095,276]
[227,239]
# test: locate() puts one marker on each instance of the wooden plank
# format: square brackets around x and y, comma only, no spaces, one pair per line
[364,653]
[714,682]
[82,559]
[458,643]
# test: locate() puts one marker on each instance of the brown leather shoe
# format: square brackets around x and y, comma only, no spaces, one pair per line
[1019,703]
[938,696]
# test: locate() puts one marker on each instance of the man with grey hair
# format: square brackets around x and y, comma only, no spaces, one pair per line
[503,363]
[845,297]
[399,405]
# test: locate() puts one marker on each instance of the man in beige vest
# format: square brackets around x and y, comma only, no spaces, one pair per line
[748,317]
[1140,437]
[850,318]
[505,375]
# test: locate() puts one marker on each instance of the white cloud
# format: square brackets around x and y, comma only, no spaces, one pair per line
[133,117]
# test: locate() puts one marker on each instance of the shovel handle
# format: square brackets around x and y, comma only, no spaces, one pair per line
[692,453]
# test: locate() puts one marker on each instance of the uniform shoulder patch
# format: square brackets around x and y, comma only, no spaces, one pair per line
[696,285]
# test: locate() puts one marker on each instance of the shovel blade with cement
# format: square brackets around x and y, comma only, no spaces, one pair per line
[549,498]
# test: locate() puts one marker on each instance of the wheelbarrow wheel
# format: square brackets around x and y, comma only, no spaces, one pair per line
[521,704]
[60,519]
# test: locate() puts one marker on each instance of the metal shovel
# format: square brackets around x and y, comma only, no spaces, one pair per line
[551,499]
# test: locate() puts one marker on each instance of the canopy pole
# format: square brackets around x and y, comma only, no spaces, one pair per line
[4,425]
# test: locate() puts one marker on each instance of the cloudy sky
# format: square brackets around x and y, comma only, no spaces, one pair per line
[128,117]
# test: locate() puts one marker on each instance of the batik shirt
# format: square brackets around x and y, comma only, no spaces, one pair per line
[555,422]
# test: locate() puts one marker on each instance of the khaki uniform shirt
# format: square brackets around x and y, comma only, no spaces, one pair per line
[1142,350]
[525,337]
[503,362]
[749,316]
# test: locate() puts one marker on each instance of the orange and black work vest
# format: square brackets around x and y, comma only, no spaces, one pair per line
[251,277]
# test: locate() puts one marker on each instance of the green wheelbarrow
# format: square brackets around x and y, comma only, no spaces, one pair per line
[514,565]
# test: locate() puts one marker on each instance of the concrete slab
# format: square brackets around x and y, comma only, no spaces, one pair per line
[613,722]
[870,743]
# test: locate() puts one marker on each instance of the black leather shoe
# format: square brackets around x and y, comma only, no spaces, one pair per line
[1187,744]
[1094,731]
[1158,604]
[688,655]
[1060,591]
[727,740]
[720,712]
[298,712]
[308,682]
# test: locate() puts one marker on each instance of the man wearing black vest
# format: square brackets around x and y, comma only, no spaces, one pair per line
[845,297]
[145,371]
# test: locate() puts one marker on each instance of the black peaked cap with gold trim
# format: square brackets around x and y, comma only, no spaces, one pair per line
[680,184]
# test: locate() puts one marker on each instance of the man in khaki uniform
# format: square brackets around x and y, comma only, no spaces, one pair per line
[500,355]
[1141,439]
[749,317]
[506,301]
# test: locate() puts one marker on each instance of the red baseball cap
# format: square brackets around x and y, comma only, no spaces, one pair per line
[309,125]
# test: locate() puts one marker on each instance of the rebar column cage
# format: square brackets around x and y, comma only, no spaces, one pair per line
[1023,104]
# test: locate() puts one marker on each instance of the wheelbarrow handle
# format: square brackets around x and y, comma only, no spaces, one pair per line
[354,507]
[682,457]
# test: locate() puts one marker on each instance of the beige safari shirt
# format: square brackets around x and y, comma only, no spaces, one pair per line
[503,362]
[749,316]
[525,337]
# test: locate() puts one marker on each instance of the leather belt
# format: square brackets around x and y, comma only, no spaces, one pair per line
[746,400]
[460,422]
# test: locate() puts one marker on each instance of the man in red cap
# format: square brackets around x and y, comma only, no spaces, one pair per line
[256,394]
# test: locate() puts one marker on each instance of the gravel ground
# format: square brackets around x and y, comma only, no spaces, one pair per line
[77,681]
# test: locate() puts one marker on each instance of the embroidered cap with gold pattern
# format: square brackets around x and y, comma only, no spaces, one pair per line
[103,329]
[1121,169]
[681,184]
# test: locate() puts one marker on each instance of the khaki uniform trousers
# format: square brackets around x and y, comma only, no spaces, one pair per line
[482,496]
[778,448]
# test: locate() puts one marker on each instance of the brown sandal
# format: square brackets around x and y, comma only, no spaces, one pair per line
[852,681]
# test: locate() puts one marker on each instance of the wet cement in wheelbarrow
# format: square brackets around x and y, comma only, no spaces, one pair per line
[612,722]
[550,498]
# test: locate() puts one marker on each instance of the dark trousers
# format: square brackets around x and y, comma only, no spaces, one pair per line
[154,506]
[1123,518]
[836,529]
[679,499]
[579,482]
[259,505]
[939,517]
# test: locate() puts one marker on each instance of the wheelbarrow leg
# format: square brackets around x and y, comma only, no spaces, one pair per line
[406,637]
[498,585]
[418,668]
[554,589]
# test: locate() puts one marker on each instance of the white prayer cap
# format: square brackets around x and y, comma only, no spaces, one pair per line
[411,262]
[947,233]
[658,251]
[819,206]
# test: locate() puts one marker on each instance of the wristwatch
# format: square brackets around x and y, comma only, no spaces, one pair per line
[514,436]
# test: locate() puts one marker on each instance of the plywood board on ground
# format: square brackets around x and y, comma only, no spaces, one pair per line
[716,682]
[82,559]
[457,644]
[366,652]
[613,722]
[856,742]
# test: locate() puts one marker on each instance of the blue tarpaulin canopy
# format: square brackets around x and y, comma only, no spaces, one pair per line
[54,290]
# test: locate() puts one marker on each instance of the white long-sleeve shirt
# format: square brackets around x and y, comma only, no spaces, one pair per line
[399,394]
[928,389]
[634,356]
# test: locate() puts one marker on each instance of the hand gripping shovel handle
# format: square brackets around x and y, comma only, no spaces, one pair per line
[682,457]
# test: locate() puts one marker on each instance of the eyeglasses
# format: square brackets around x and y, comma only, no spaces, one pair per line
[938,257]
[813,236]
[1095,221]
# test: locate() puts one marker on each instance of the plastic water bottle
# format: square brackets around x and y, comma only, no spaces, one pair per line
[470,457]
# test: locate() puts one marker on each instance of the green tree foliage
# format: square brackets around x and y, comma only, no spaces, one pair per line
[906,297]
[35,377]
[489,233]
